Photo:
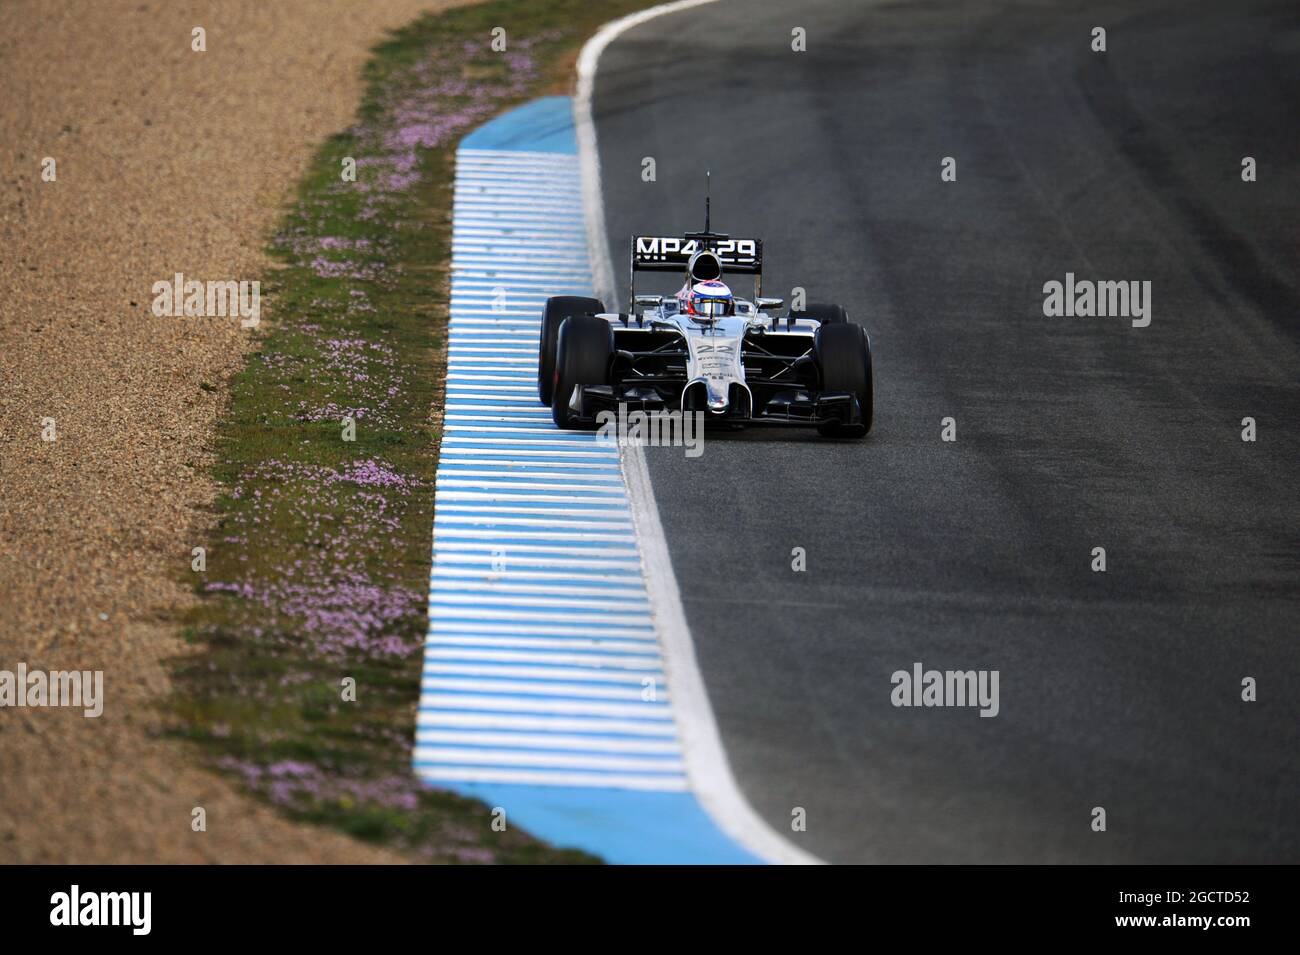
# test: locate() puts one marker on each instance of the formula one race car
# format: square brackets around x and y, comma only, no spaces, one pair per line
[704,350]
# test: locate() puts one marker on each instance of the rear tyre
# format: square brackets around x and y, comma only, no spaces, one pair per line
[843,356]
[583,354]
[556,310]
[826,314]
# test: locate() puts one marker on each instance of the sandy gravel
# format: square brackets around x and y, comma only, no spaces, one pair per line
[167,161]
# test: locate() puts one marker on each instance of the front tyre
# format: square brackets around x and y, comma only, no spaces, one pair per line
[583,355]
[556,310]
[843,355]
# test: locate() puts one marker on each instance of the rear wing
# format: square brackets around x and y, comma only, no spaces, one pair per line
[670,253]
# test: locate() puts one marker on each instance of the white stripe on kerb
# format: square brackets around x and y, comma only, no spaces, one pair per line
[563,554]
[647,712]
[584,674]
[533,722]
[470,774]
[533,688]
[594,744]
[559,760]
[613,654]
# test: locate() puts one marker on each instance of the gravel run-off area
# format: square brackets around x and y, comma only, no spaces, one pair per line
[167,160]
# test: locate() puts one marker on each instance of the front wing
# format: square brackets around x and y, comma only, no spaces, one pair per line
[781,385]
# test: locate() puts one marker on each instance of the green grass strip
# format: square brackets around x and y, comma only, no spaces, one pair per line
[318,565]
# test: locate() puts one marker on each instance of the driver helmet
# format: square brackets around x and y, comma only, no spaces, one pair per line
[710,300]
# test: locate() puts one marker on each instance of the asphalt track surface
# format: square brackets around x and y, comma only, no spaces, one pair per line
[1118,689]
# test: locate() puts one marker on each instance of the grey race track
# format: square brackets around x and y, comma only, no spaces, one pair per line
[1121,689]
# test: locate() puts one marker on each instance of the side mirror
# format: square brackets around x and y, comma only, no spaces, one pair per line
[648,301]
[764,304]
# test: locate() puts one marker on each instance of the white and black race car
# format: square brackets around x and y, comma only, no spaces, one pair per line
[702,350]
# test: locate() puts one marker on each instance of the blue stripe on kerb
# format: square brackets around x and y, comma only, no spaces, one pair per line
[541,640]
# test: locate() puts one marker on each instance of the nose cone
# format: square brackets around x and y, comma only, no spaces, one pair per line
[718,400]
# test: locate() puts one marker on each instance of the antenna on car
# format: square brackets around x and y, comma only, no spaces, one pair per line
[708,182]
[708,239]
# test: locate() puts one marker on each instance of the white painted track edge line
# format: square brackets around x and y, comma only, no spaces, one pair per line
[706,761]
